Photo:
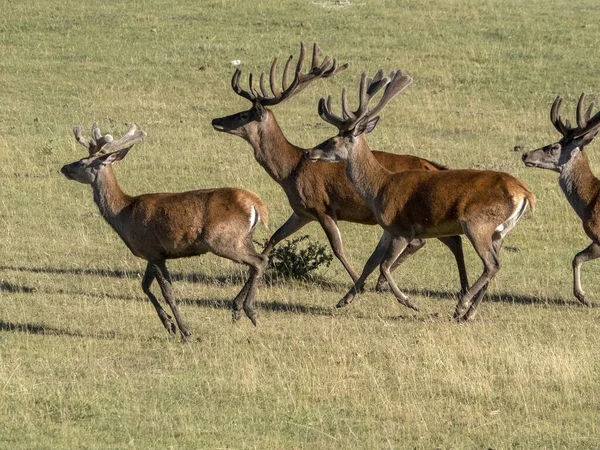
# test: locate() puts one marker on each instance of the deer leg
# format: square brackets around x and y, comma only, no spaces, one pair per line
[454,243]
[162,314]
[590,253]
[293,224]
[166,286]
[371,264]
[413,247]
[394,250]
[246,254]
[335,240]
[482,242]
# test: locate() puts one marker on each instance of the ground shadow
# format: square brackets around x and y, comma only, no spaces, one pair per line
[275,306]
[5,286]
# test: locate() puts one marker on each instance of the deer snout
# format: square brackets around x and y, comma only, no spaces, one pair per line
[217,125]
[312,154]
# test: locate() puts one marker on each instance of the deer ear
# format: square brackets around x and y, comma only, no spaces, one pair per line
[371,125]
[113,157]
[365,127]
[589,137]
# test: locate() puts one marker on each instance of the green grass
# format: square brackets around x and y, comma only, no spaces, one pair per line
[85,362]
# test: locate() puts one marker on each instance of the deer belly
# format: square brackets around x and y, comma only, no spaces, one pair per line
[425,231]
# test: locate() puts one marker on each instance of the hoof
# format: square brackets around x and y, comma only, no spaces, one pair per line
[583,299]
[235,315]
[171,328]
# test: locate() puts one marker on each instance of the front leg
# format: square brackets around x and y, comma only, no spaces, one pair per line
[371,264]
[335,240]
[394,250]
[590,253]
[413,247]
[166,286]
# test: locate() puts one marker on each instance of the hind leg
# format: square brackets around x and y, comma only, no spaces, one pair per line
[166,286]
[245,253]
[397,246]
[484,246]
[590,253]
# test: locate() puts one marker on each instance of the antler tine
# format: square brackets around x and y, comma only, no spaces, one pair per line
[96,134]
[235,85]
[334,69]
[127,140]
[324,70]
[555,117]
[398,83]
[588,113]
[326,114]
[79,137]
[346,113]
[286,71]
[581,120]
[274,88]
[315,56]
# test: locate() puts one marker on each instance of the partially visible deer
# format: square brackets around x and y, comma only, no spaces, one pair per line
[575,178]
[157,227]
[419,204]
[318,192]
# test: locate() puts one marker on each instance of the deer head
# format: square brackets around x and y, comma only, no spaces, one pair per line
[103,152]
[352,125]
[556,156]
[240,124]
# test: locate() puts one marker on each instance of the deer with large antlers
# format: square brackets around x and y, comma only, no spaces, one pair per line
[157,227]
[318,192]
[419,204]
[575,178]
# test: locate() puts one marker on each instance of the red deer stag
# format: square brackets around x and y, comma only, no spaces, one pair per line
[575,178]
[157,227]
[318,192]
[419,204]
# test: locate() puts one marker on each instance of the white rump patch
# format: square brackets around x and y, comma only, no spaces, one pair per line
[254,217]
[505,227]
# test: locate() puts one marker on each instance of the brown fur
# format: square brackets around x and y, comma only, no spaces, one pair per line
[317,191]
[162,226]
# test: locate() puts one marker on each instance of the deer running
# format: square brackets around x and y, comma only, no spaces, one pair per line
[157,227]
[419,204]
[318,192]
[575,178]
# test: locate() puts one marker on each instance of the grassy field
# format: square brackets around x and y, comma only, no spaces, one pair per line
[85,362]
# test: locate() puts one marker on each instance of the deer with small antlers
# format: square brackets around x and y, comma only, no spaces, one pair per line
[575,178]
[157,227]
[418,204]
[318,192]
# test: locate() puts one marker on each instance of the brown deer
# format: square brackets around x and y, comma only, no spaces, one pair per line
[420,204]
[575,178]
[157,227]
[318,192]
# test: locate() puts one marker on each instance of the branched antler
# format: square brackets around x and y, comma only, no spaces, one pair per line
[394,84]
[104,144]
[585,123]
[327,68]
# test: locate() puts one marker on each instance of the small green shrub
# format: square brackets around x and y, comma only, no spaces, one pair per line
[291,260]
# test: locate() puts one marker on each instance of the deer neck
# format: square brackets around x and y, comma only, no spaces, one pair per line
[109,197]
[273,151]
[578,183]
[365,172]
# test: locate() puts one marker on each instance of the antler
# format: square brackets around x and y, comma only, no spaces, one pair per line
[326,69]
[585,123]
[100,143]
[394,84]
